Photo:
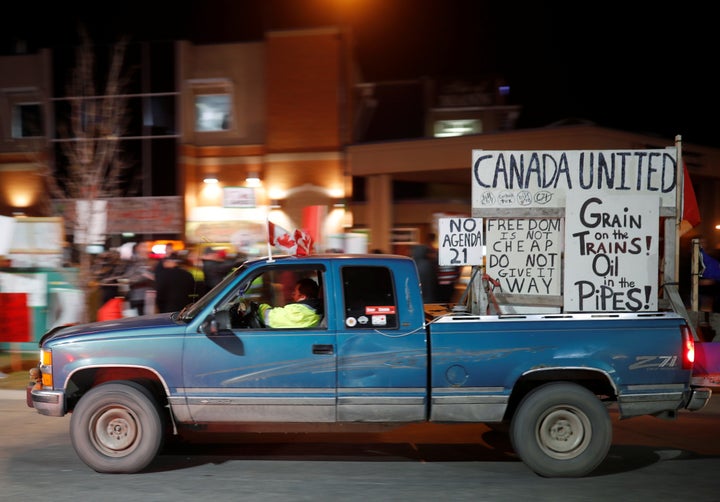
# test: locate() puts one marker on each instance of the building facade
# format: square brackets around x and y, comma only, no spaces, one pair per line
[225,137]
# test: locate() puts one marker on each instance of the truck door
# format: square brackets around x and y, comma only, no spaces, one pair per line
[382,359]
[261,374]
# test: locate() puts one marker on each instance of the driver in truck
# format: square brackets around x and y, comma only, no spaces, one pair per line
[304,312]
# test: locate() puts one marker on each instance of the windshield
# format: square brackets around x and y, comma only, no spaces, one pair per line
[192,310]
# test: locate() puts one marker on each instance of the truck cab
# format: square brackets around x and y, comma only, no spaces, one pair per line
[371,333]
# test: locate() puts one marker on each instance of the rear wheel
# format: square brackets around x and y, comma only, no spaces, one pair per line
[117,427]
[561,430]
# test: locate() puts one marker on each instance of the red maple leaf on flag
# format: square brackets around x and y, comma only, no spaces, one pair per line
[278,236]
[304,243]
[299,243]
[285,241]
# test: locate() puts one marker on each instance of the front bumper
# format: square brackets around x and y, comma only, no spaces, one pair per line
[46,402]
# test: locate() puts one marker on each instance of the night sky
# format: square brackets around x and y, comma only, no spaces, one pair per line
[644,68]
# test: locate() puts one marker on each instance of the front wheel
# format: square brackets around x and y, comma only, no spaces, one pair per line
[117,428]
[561,430]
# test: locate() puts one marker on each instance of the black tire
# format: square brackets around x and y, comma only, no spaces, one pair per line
[561,430]
[117,428]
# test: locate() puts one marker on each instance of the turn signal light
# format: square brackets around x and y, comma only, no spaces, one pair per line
[46,367]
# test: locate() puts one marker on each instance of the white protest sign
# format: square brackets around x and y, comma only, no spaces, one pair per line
[525,254]
[35,285]
[7,228]
[542,179]
[460,241]
[90,221]
[611,253]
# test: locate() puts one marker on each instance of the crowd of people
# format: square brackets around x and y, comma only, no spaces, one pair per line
[438,281]
[167,283]
[149,284]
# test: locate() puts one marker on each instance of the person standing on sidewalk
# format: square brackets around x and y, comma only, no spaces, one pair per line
[448,276]
[140,278]
[174,284]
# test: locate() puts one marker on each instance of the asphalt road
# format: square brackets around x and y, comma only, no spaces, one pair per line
[650,459]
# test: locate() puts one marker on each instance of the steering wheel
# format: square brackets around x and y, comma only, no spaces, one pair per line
[250,315]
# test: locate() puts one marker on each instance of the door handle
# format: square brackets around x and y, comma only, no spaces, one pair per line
[322,348]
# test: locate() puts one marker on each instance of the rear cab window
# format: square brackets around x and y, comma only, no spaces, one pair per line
[369,297]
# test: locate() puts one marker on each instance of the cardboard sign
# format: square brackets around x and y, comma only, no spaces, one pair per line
[460,241]
[611,253]
[524,254]
[542,179]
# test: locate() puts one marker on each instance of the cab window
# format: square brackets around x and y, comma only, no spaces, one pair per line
[369,298]
[274,287]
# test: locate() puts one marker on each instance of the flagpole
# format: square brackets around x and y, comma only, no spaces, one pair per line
[269,238]
[695,274]
[678,205]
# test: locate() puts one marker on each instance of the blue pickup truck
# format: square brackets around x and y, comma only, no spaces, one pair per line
[376,356]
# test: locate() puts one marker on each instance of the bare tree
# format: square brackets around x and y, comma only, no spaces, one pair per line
[91,144]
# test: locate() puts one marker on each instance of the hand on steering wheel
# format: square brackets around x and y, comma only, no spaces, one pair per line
[249,313]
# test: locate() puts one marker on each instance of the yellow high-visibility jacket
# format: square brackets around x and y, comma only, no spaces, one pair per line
[294,315]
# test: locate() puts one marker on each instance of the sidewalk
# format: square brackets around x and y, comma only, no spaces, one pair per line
[12,394]
[14,370]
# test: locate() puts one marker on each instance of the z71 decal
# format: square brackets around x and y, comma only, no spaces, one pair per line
[648,362]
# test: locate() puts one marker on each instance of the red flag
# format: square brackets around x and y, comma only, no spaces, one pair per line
[691,212]
[304,243]
[299,243]
[278,236]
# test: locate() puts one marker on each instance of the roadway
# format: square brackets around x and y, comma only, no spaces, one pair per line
[650,458]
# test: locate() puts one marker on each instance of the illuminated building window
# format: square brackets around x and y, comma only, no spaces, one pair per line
[446,128]
[212,112]
[213,104]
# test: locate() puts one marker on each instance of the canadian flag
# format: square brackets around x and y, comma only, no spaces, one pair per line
[278,236]
[298,243]
[304,243]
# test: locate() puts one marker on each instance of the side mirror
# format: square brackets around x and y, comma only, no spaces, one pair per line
[209,326]
[216,322]
[217,328]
